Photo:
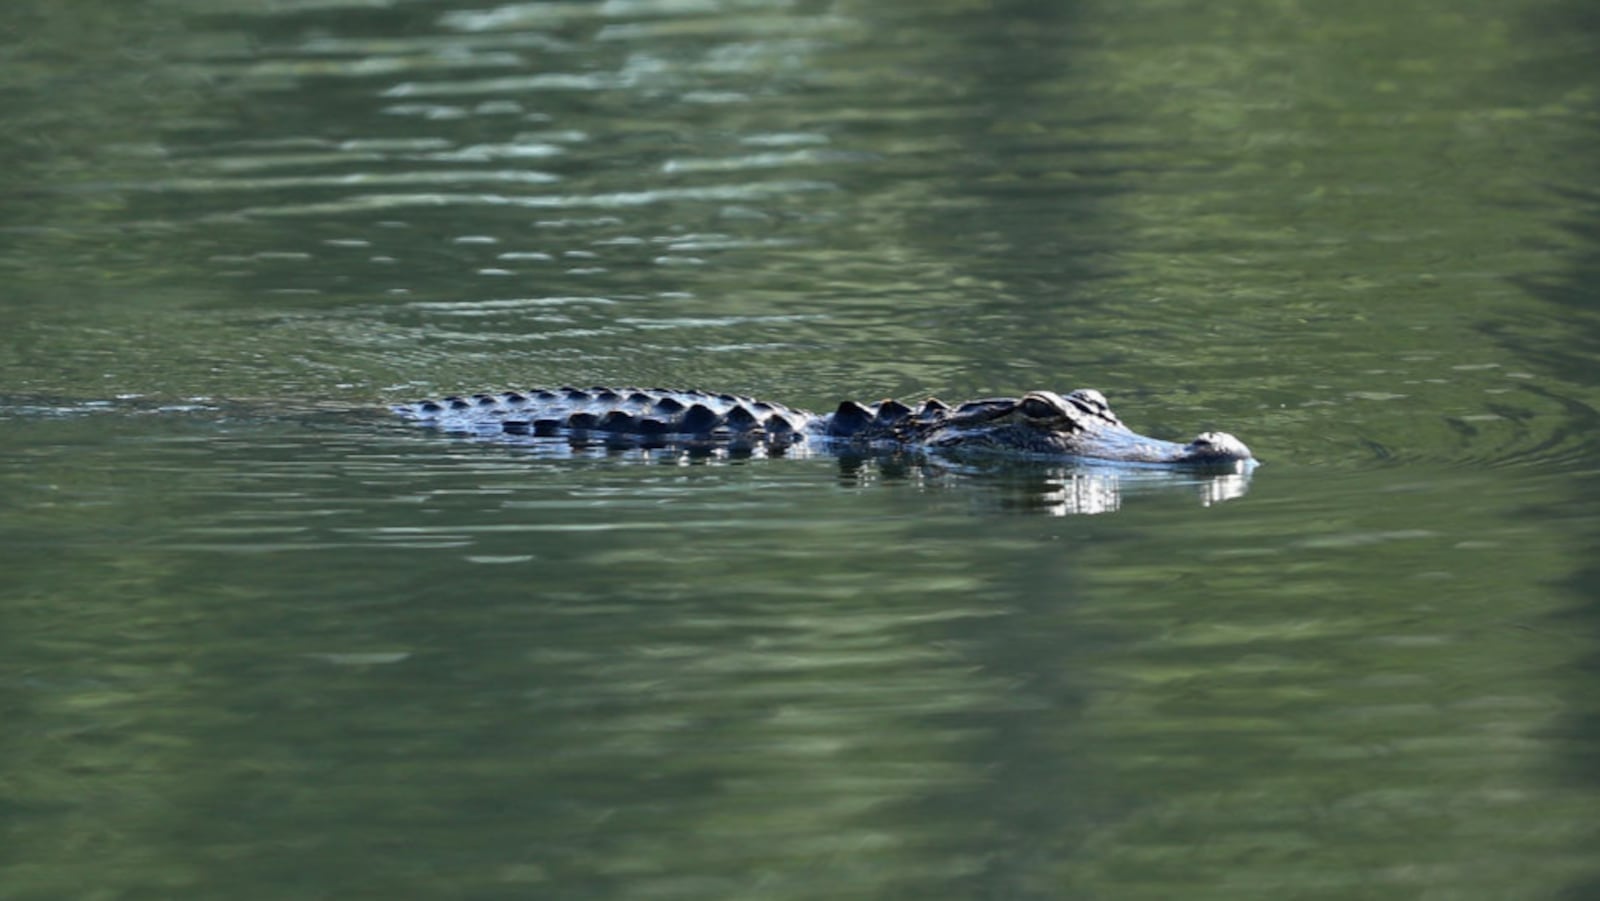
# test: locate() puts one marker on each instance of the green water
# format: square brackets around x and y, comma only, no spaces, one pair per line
[258,643]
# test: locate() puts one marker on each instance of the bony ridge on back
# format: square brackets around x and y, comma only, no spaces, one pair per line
[1079,424]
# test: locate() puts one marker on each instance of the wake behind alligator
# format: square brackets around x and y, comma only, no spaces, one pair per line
[1040,424]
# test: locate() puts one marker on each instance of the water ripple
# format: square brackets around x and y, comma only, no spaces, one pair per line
[761,161]
[517,16]
[542,81]
[354,179]
[616,200]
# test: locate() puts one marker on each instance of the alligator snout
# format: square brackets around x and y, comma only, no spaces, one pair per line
[1218,447]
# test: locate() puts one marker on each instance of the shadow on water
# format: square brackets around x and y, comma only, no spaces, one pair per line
[1570,359]
[1029,180]
[1017,816]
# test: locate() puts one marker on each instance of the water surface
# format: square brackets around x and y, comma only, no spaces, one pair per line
[260,641]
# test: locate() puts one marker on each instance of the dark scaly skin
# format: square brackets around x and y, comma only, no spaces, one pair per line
[1038,424]
[651,415]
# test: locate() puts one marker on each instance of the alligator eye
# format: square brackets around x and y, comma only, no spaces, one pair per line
[1034,408]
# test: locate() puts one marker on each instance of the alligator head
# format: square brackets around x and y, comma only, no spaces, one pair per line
[1080,424]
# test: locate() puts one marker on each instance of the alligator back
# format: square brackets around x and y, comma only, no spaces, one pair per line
[1040,423]
[634,415]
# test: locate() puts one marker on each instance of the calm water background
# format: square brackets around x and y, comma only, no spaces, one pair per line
[255,647]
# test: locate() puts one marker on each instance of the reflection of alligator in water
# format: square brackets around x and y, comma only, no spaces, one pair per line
[1047,468]
[1040,424]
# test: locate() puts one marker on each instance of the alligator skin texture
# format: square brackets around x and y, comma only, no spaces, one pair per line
[642,413]
[1038,424]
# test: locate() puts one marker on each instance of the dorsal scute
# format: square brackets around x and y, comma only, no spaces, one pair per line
[740,419]
[651,428]
[849,419]
[890,411]
[699,419]
[614,410]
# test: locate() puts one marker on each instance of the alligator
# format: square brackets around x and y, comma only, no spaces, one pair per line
[1079,425]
